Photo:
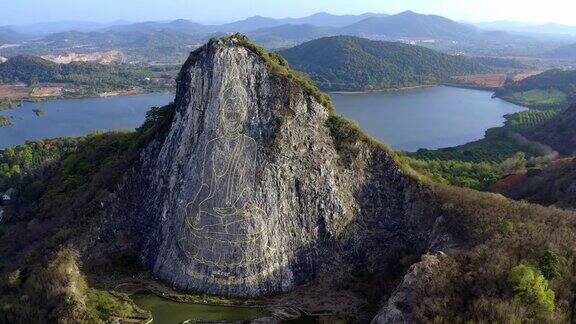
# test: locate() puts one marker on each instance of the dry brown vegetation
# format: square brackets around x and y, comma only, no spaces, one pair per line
[495,80]
[496,234]
[484,80]
[14,92]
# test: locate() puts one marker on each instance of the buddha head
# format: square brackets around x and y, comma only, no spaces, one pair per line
[233,111]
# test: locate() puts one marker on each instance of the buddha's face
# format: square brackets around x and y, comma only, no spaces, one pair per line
[233,110]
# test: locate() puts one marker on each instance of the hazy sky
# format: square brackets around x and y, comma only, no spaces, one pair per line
[208,11]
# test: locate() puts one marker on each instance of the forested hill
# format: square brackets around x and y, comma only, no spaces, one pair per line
[559,132]
[352,63]
[551,89]
[99,77]
[411,24]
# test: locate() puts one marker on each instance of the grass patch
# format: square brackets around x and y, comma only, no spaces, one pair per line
[106,306]
[537,97]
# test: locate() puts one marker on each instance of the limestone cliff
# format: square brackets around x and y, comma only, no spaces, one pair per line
[252,190]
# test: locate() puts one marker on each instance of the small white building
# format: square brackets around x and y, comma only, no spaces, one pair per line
[6,197]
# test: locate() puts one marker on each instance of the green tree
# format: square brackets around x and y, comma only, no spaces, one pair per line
[531,287]
[549,265]
[26,156]
[9,153]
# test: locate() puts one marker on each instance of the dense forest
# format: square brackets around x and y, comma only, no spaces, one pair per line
[22,161]
[550,89]
[352,63]
[93,76]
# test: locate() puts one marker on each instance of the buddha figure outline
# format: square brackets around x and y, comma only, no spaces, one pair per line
[222,219]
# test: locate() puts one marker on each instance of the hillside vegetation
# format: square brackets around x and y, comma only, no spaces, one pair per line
[551,89]
[558,132]
[93,77]
[514,262]
[553,185]
[481,163]
[352,63]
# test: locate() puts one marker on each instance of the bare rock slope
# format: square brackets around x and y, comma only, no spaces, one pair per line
[254,190]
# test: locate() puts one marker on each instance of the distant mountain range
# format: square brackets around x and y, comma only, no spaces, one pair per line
[526,28]
[354,64]
[175,38]
[46,28]
[411,24]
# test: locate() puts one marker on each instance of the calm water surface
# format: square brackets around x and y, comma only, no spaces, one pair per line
[165,311]
[427,117]
[406,120]
[75,117]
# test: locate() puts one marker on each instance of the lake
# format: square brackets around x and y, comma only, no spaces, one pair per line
[165,311]
[75,117]
[406,120]
[430,118]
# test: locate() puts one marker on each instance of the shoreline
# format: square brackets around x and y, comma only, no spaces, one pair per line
[470,86]
[102,95]
[384,90]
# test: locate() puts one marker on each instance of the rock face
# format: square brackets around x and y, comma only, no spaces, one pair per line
[400,306]
[247,193]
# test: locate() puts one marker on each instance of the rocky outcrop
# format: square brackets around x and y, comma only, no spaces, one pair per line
[400,306]
[249,192]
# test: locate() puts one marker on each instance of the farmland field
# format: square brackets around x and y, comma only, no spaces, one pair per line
[537,97]
[483,80]
[528,118]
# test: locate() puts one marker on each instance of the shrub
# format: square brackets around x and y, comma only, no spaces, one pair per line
[14,279]
[531,287]
[549,265]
